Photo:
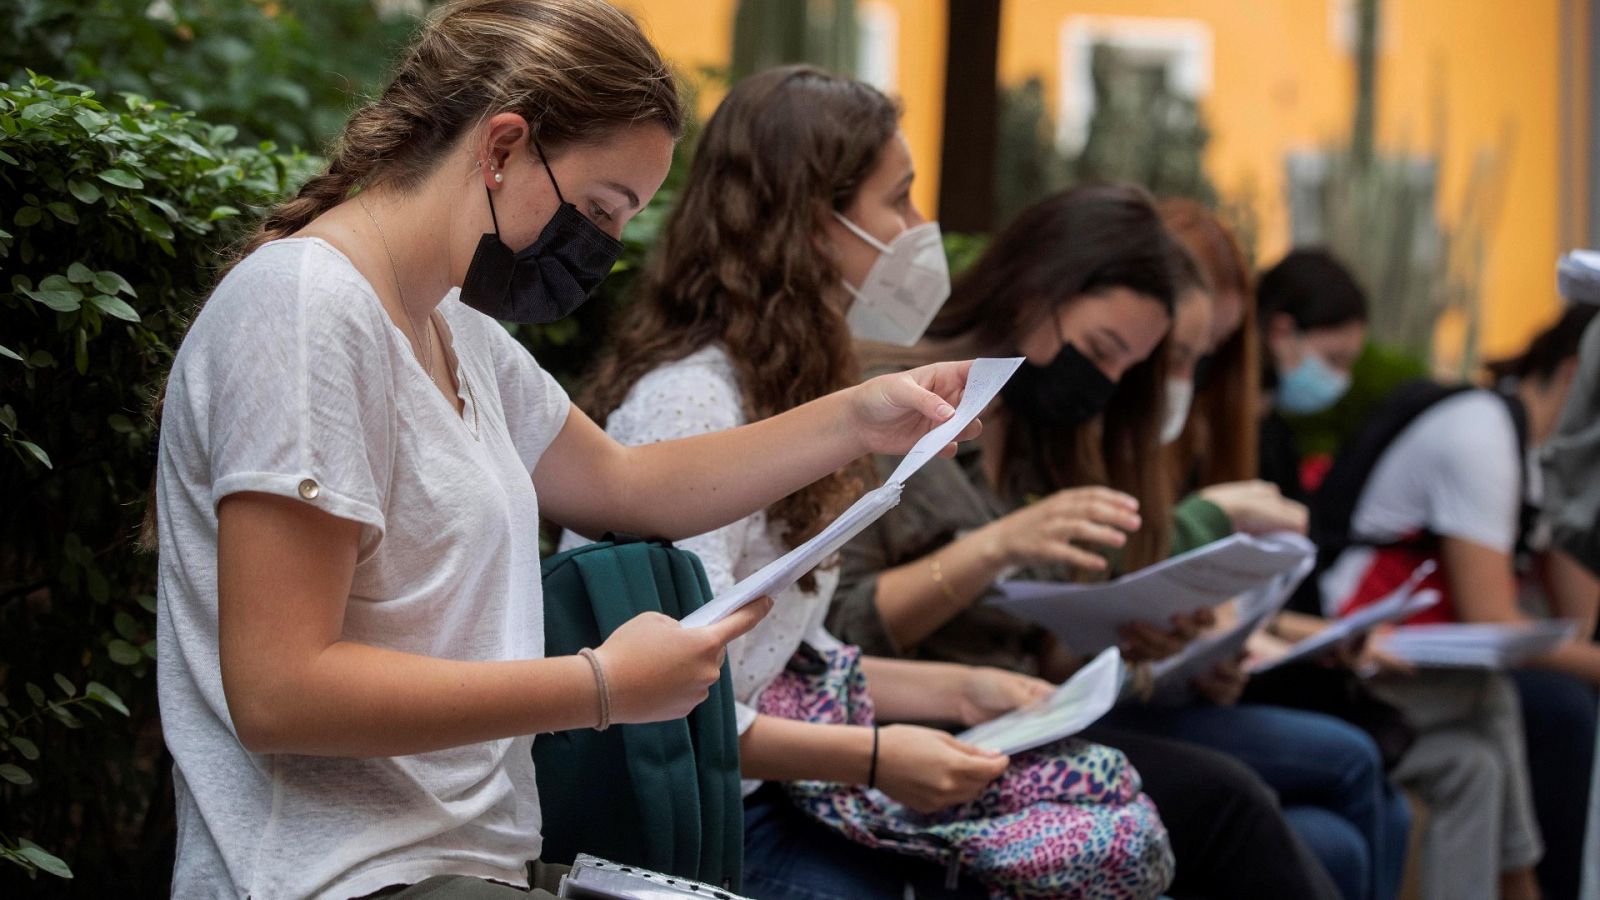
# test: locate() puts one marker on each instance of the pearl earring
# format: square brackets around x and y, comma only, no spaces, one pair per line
[499,177]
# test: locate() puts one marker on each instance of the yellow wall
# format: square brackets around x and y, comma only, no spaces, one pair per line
[1453,76]
[695,34]
[1456,76]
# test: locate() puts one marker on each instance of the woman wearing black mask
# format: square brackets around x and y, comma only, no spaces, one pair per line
[354,459]
[1082,285]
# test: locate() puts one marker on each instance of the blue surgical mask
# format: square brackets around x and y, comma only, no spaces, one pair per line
[1311,387]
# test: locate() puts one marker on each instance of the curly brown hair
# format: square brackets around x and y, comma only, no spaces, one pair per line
[742,262]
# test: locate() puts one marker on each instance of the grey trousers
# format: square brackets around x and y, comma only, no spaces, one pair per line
[545,880]
[1469,765]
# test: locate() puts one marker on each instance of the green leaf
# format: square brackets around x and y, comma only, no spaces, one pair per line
[57,293]
[45,860]
[154,225]
[111,283]
[148,602]
[8,158]
[67,687]
[80,356]
[105,696]
[120,423]
[122,178]
[223,212]
[15,774]
[39,452]
[64,717]
[7,351]
[28,749]
[28,216]
[64,212]
[114,306]
[126,626]
[35,693]
[123,653]
[99,588]
[85,191]
[78,273]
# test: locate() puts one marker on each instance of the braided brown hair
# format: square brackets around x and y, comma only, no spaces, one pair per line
[577,70]
[742,262]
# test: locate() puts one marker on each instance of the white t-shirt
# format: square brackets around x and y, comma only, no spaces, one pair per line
[700,394]
[1454,471]
[294,381]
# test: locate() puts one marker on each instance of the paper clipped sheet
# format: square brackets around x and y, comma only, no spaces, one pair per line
[1172,675]
[1078,703]
[984,381]
[1477,645]
[1403,603]
[1086,616]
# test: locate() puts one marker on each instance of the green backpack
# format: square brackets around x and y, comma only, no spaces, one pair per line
[663,796]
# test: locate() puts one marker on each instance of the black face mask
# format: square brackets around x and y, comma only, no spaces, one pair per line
[548,279]
[1203,369]
[1065,393]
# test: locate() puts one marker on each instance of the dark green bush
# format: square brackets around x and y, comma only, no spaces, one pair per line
[280,70]
[112,218]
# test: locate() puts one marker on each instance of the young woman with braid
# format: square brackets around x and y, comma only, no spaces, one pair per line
[354,456]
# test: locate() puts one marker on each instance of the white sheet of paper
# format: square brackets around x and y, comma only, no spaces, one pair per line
[1173,674]
[1477,645]
[1403,603]
[790,567]
[1086,616]
[1078,703]
[984,380]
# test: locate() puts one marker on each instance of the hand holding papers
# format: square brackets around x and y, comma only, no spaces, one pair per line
[1086,616]
[983,383]
[1172,675]
[1477,645]
[1405,602]
[1074,706]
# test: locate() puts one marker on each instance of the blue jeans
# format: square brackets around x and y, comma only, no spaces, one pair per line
[789,857]
[1558,717]
[1327,773]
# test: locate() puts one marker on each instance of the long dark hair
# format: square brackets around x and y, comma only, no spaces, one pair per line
[1548,349]
[742,263]
[1063,249]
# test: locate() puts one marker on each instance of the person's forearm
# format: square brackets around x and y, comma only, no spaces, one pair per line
[1574,591]
[905,690]
[774,749]
[1579,658]
[357,700]
[914,604]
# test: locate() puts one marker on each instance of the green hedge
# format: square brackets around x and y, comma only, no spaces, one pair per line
[112,217]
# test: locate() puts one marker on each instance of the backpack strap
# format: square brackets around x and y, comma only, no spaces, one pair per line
[1334,504]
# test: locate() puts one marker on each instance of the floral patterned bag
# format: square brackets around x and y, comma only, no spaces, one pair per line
[1065,820]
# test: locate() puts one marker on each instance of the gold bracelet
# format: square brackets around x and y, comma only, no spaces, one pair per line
[937,570]
[602,688]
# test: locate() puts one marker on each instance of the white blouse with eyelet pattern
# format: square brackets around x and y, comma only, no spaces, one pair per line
[700,394]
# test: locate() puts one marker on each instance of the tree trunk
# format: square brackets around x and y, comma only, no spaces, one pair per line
[971,117]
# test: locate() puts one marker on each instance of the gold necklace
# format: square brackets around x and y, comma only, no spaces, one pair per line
[394,271]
